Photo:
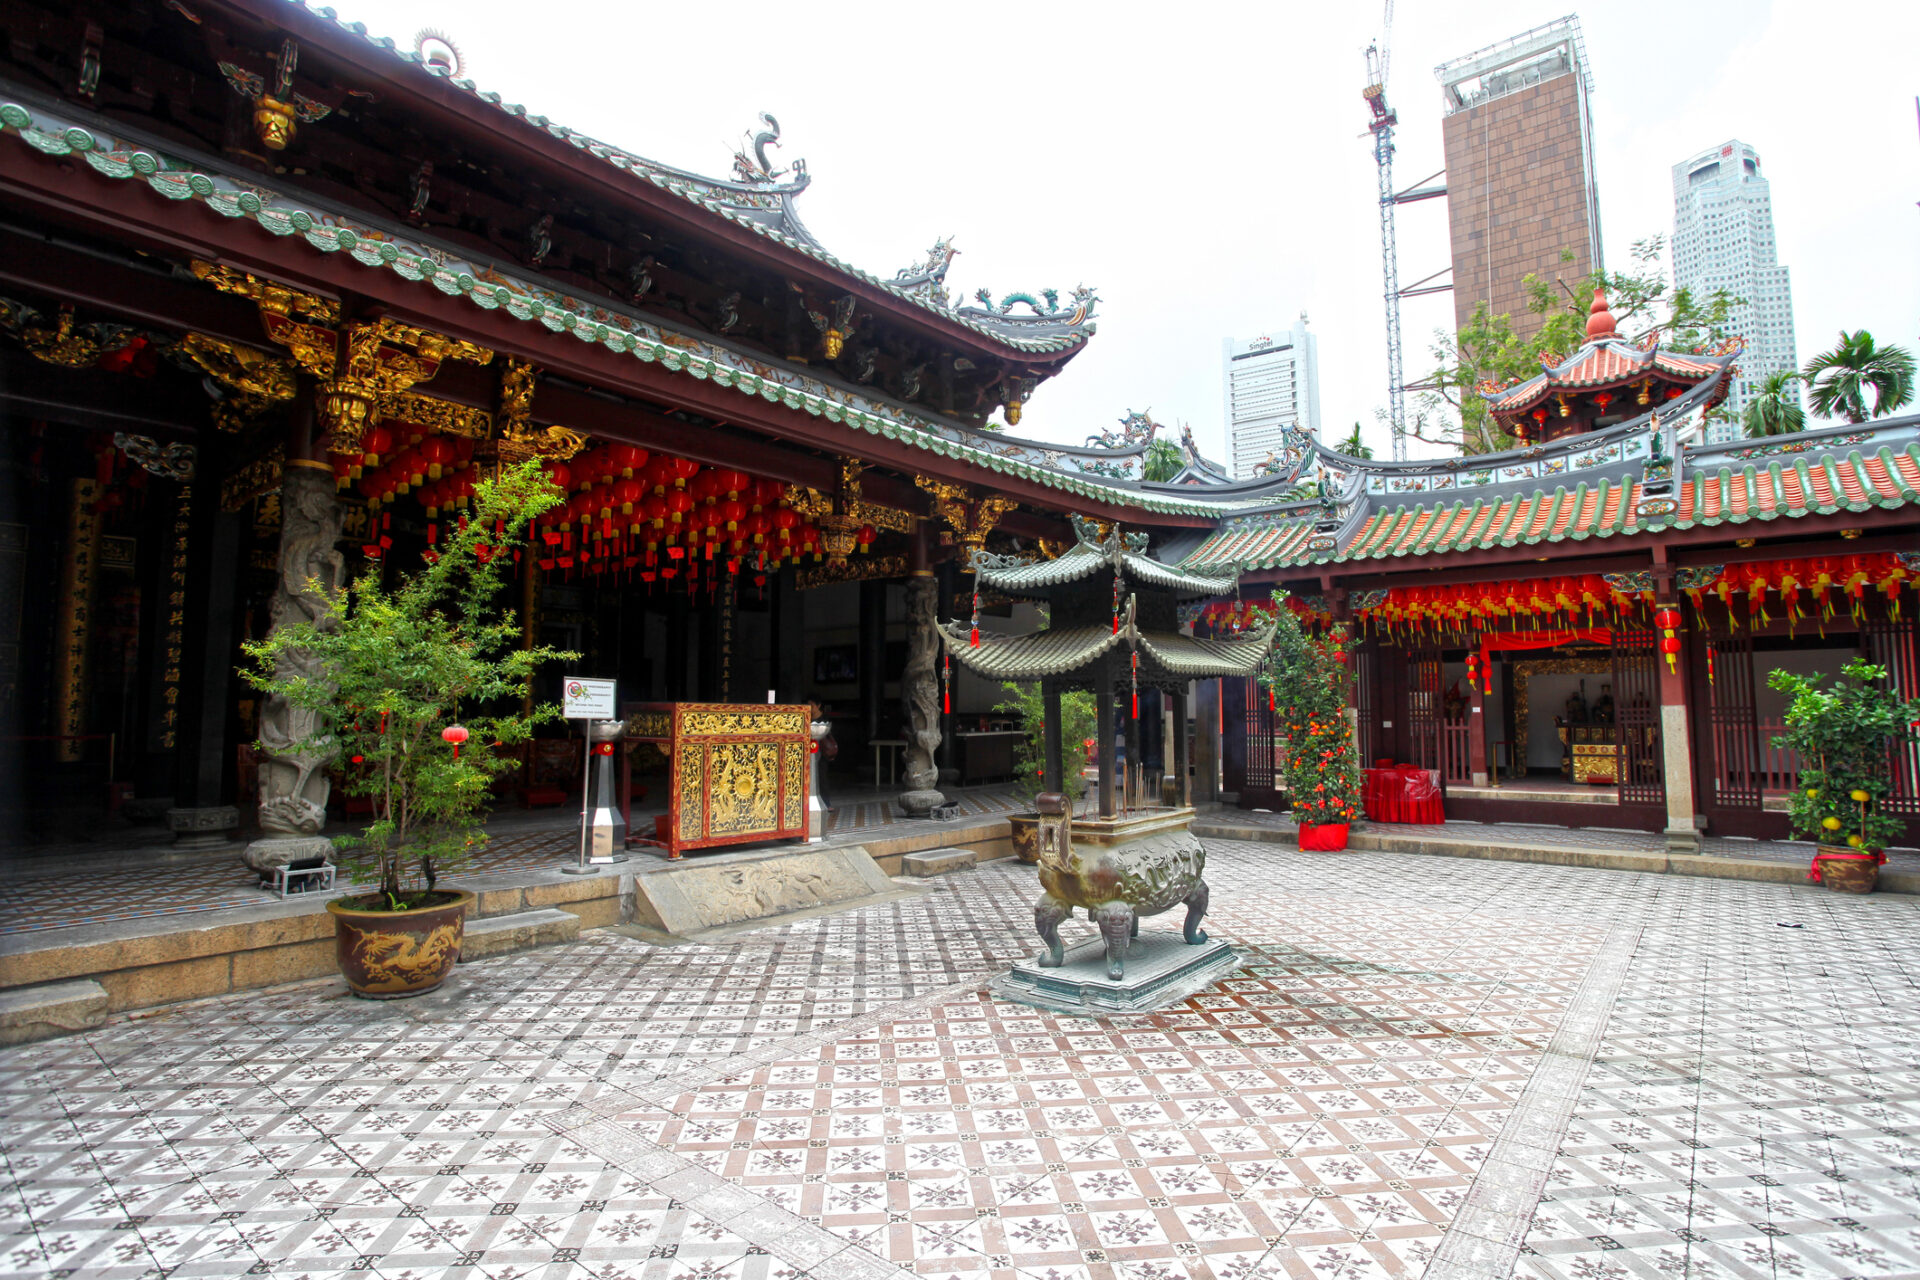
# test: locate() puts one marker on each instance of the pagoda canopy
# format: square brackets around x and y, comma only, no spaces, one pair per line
[1607,380]
[1113,617]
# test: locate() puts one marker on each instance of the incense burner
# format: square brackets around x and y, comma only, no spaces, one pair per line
[1116,883]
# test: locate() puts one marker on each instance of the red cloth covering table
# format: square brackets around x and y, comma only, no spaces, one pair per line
[1400,793]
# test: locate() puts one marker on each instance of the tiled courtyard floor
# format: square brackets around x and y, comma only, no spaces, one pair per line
[54,898]
[1452,1067]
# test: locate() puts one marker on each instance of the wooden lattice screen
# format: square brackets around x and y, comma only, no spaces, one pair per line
[1423,708]
[1733,723]
[1896,646]
[1636,701]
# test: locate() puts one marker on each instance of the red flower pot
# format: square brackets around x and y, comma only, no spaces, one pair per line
[1323,837]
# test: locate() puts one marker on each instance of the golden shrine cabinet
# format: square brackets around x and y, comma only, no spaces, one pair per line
[737,772]
[1589,753]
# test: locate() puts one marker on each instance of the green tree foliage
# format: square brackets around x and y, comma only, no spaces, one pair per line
[1843,735]
[396,665]
[1307,678]
[1775,410]
[1841,378]
[1163,461]
[1450,410]
[1353,445]
[1078,725]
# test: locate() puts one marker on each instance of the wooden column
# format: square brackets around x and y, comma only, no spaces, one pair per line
[1183,784]
[1055,777]
[1103,718]
[74,629]
[1206,741]
[873,654]
[1477,725]
[1676,736]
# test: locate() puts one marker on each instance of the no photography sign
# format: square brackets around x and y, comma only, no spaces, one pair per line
[582,699]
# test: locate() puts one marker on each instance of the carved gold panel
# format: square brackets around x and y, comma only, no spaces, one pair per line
[743,788]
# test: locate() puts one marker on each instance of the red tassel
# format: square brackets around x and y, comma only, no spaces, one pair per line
[946,702]
[974,640]
[1136,704]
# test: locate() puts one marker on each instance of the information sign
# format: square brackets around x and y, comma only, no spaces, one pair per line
[583,699]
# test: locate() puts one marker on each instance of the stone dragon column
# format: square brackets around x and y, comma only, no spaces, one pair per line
[293,781]
[920,691]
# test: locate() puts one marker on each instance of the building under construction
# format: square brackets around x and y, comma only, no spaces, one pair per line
[1520,188]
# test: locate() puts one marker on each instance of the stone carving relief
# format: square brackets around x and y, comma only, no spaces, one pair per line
[920,690]
[293,785]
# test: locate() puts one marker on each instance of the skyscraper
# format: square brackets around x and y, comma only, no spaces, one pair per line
[1272,382]
[1723,239]
[1520,189]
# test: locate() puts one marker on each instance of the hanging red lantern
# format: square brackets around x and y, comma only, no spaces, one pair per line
[1667,618]
[376,442]
[455,734]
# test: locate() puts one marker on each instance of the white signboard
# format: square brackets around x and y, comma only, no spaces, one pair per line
[583,699]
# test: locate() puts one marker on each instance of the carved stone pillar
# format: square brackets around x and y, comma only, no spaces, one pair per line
[293,781]
[920,691]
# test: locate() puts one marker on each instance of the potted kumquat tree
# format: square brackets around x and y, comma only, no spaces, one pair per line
[1306,677]
[1845,736]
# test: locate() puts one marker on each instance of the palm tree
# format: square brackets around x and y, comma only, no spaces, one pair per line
[1162,462]
[1775,410]
[1353,446]
[1841,377]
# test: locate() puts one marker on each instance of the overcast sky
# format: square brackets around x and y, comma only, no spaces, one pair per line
[1205,165]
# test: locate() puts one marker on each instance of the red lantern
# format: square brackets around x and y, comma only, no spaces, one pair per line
[1667,619]
[1670,645]
[626,459]
[456,735]
[377,442]
[438,452]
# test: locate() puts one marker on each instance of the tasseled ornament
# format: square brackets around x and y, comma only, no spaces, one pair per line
[1136,685]
[946,684]
[974,640]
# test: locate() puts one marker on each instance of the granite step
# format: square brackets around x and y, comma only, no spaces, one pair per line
[520,931]
[51,1009]
[936,862]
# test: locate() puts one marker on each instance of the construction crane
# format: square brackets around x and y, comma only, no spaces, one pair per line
[1381,126]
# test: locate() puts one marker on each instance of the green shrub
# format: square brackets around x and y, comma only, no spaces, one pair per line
[388,668]
[1845,737]
[1078,725]
[1307,678]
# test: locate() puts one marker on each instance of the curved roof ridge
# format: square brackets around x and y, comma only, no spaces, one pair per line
[765,208]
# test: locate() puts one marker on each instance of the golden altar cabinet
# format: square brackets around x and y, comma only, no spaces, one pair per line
[737,772]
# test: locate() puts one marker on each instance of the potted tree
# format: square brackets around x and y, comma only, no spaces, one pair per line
[1845,737]
[1077,729]
[1306,681]
[416,688]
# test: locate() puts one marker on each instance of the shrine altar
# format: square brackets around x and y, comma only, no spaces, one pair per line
[737,772]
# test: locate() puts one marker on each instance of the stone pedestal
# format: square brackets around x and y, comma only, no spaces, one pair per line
[816,806]
[269,855]
[1161,969]
[207,828]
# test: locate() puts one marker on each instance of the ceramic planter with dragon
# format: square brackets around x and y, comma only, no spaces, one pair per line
[388,954]
[1115,884]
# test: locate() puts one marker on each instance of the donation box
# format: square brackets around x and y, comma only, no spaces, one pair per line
[737,771]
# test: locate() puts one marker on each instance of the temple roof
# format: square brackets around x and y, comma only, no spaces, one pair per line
[761,199]
[1091,557]
[1059,651]
[1603,493]
[1606,360]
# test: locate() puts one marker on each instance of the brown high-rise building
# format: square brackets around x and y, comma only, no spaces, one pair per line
[1520,192]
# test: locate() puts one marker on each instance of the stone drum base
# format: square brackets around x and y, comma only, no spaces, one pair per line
[1161,969]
